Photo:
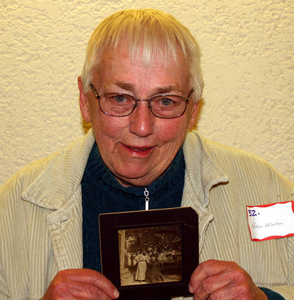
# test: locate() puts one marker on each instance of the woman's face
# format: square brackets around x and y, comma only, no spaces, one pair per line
[140,147]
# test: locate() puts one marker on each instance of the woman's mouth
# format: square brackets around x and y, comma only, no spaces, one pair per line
[138,151]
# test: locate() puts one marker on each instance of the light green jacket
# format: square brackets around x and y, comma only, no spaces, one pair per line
[41,216]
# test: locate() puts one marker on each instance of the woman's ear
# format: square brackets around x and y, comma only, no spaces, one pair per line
[193,116]
[84,102]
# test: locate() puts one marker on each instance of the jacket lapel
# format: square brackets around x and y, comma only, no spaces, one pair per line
[65,228]
[202,173]
[58,190]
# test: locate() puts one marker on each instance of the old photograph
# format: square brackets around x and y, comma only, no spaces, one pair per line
[150,255]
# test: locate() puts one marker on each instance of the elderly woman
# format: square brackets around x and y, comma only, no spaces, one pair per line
[140,88]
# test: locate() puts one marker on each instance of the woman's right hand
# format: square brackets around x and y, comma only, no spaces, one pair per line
[80,284]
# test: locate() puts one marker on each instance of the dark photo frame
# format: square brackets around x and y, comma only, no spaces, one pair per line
[150,254]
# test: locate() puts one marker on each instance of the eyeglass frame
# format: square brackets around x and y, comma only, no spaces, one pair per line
[186,99]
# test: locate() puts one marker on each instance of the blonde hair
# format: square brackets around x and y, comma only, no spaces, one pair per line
[149,33]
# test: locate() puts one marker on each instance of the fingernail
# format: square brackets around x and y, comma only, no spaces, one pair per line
[116,293]
[191,290]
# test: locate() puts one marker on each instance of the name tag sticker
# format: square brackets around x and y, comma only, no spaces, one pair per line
[271,221]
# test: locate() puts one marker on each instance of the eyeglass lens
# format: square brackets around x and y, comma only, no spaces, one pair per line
[163,106]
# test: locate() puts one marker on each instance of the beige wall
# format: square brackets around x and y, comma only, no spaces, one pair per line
[248,68]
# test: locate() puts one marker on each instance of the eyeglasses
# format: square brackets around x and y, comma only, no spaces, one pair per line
[161,106]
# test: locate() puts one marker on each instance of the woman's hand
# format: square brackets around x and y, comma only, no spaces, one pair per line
[215,280]
[80,284]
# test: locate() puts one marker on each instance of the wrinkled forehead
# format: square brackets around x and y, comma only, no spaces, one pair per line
[125,66]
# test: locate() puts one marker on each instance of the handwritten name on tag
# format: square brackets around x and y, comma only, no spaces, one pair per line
[271,221]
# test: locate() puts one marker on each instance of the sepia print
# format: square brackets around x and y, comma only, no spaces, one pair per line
[150,255]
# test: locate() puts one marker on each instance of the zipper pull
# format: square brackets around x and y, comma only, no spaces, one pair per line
[146,194]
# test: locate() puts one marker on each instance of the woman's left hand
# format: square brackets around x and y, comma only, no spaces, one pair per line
[216,279]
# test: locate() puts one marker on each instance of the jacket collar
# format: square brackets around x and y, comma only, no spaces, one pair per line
[62,176]
[202,172]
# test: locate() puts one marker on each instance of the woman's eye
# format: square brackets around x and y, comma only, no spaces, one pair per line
[120,98]
[165,101]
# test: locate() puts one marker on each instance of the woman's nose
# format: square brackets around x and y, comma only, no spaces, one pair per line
[142,119]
